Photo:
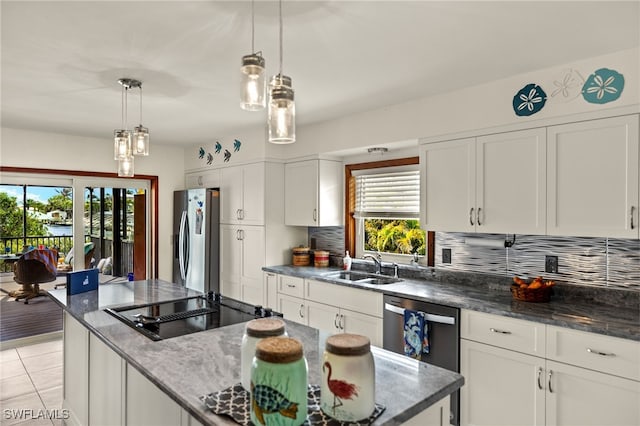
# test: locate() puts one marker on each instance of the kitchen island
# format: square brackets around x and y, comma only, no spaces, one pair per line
[162,381]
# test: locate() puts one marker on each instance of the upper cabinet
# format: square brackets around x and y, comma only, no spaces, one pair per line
[592,178]
[577,179]
[492,184]
[313,193]
[203,179]
[242,194]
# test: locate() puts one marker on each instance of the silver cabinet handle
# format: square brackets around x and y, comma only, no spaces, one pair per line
[238,214]
[237,234]
[341,322]
[495,330]
[471,216]
[315,215]
[539,374]
[335,322]
[291,285]
[593,351]
[301,311]
[550,389]
[478,217]
[242,214]
[632,209]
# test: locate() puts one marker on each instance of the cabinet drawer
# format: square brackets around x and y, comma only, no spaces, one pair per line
[607,354]
[354,299]
[509,333]
[292,286]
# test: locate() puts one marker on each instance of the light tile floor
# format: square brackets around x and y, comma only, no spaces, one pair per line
[31,384]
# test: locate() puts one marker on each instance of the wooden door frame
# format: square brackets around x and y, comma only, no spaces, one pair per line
[153,184]
[349,203]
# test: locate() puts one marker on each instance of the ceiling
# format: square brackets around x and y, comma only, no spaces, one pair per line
[61,59]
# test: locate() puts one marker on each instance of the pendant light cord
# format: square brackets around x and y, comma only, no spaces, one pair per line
[140,104]
[280,3]
[122,106]
[252,28]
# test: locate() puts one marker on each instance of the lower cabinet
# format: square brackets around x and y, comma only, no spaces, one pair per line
[331,307]
[436,415]
[107,375]
[75,388]
[242,255]
[148,405]
[507,386]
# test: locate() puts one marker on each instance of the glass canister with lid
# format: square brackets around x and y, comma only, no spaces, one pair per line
[347,388]
[279,382]
[255,331]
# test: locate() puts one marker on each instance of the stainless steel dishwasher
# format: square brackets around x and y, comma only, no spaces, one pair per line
[444,336]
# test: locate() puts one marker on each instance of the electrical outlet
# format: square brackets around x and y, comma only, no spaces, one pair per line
[446,255]
[551,264]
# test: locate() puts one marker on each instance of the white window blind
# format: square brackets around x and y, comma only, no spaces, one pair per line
[393,195]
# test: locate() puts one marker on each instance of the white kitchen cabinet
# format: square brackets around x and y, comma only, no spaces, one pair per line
[107,375]
[339,320]
[147,404]
[436,415]
[492,184]
[520,372]
[242,254]
[270,281]
[500,386]
[242,194]
[75,388]
[313,193]
[592,178]
[203,179]
[292,308]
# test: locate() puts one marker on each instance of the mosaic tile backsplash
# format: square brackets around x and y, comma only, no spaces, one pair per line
[598,262]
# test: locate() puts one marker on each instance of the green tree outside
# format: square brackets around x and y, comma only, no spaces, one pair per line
[394,236]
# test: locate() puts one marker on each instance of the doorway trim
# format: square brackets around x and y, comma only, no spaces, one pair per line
[153,202]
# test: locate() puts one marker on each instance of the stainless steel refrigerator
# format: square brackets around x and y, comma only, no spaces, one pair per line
[196,239]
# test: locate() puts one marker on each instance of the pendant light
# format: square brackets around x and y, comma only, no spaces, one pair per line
[140,133]
[122,136]
[282,109]
[253,82]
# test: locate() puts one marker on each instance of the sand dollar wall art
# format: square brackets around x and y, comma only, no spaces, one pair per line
[602,86]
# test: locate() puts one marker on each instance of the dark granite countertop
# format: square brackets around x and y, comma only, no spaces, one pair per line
[189,366]
[571,307]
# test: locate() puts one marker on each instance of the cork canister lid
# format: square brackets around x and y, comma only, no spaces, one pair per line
[279,350]
[348,344]
[265,327]
[301,250]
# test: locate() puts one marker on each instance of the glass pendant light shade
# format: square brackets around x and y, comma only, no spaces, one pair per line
[140,140]
[253,84]
[281,116]
[125,166]
[122,144]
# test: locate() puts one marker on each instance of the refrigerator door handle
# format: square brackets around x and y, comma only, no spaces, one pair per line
[181,243]
[441,319]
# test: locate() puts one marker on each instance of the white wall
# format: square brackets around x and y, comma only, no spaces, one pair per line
[469,109]
[22,148]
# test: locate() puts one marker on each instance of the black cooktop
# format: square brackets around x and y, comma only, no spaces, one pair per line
[174,318]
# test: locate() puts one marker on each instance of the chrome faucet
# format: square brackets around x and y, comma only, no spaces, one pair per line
[377,259]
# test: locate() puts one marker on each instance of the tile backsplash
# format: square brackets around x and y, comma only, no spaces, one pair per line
[598,262]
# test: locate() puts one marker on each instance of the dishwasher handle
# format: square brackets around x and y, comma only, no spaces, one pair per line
[441,319]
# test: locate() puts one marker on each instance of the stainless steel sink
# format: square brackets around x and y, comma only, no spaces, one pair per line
[361,277]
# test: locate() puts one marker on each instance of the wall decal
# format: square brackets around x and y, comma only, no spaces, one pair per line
[604,85]
[569,86]
[209,158]
[529,100]
[227,155]
[218,147]
[236,145]
[201,153]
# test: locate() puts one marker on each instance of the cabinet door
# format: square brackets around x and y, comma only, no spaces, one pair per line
[230,261]
[147,404]
[447,182]
[271,290]
[323,317]
[106,389]
[253,187]
[230,194]
[76,370]
[577,396]
[501,387]
[301,193]
[252,240]
[592,178]
[293,308]
[206,179]
[366,325]
[511,182]
[330,193]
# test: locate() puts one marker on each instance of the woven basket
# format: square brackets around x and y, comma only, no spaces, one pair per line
[542,294]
